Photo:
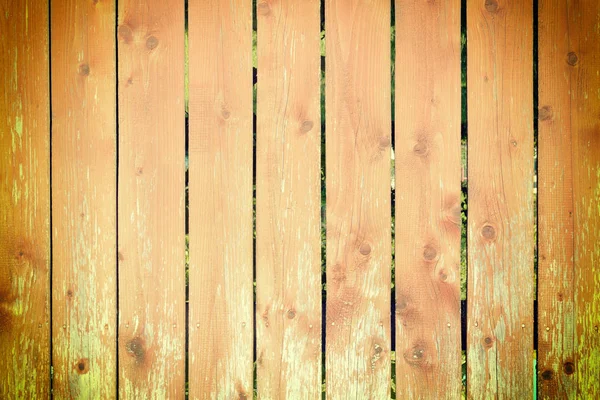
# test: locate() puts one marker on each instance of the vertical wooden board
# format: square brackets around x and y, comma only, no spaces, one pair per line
[288,186]
[24,201]
[556,285]
[220,187]
[583,59]
[84,199]
[500,226]
[151,196]
[358,90]
[428,219]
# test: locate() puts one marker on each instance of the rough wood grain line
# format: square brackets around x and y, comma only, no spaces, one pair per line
[500,226]
[428,175]
[358,91]
[580,47]
[288,195]
[84,199]
[556,285]
[220,185]
[151,199]
[24,201]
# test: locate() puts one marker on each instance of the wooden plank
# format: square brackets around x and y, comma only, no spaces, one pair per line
[556,302]
[428,220]
[84,199]
[220,187]
[24,201]
[500,225]
[151,194]
[569,167]
[358,90]
[288,195]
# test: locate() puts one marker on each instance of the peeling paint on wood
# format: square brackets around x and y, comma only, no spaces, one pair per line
[220,148]
[84,199]
[24,201]
[151,193]
[500,225]
[288,186]
[358,91]
[428,219]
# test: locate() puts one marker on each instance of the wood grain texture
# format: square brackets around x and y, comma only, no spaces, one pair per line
[428,219]
[151,199]
[220,184]
[556,285]
[84,199]
[358,90]
[569,213]
[288,195]
[24,200]
[500,225]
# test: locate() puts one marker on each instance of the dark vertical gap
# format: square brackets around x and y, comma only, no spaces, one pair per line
[187,201]
[50,189]
[393,196]
[535,196]
[323,204]
[117,138]
[254,138]
[464,193]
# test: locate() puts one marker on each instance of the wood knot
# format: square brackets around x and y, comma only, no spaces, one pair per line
[572,58]
[120,256]
[402,303]
[491,6]
[365,249]
[415,356]
[135,348]
[547,375]
[82,366]
[225,113]
[443,275]
[291,314]
[139,171]
[263,8]
[125,33]
[488,232]
[151,43]
[306,126]
[70,293]
[569,368]
[84,69]
[421,149]
[429,253]
[384,142]
[488,341]
[545,113]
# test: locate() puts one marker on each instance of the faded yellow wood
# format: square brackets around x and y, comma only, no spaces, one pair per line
[358,91]
[428,219]
[569,213]
[288,195]
[500,220]
[24,200]
[151,194]
[84,199]
[220,187]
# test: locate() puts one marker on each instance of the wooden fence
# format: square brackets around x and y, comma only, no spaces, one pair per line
[152,246]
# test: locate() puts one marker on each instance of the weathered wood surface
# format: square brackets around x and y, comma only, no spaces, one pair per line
[569,213]
[288,195]
[151,197]
[428,219]
[24,200]
[500,225]
[358,90]
[84,199]
[556,284]
[220,151]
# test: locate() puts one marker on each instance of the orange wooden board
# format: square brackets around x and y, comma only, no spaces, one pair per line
[84,199]
[428,219]
[288,195]
[151,194]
